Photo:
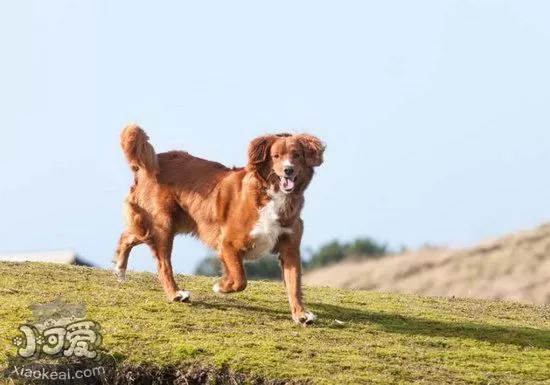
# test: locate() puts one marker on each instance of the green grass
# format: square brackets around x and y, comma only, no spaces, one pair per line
[384,338]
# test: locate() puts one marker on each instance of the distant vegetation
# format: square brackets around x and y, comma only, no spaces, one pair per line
[359,249]
[267,267]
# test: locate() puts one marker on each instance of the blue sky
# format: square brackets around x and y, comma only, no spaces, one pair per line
[435,113]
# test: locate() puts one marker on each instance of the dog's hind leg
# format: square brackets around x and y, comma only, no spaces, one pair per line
[161,246]
[125,244]
[137,232]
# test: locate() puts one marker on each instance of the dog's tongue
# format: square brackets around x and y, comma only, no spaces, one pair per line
[288,184]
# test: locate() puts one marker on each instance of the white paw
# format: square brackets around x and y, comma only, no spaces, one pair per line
[120,274]
[306,319]
[216,288]
[182,296]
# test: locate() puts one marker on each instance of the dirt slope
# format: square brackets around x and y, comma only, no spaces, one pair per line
[515,267]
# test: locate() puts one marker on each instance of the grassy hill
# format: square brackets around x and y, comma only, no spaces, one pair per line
[514,267]
[360,337]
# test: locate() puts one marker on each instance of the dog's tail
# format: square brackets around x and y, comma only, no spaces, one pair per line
[139,152]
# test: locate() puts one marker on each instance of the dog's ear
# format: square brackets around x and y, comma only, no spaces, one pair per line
[258,149]
[313,149]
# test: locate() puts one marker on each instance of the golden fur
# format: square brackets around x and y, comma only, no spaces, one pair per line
[239,212]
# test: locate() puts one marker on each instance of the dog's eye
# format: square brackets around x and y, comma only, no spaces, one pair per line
[296,155]
[276,156]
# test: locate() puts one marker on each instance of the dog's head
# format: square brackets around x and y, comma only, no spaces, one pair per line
[286,161]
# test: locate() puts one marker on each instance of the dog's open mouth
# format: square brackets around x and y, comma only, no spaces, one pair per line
[287,184]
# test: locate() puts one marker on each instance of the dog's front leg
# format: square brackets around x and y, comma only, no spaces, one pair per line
[234,278]
[291,265]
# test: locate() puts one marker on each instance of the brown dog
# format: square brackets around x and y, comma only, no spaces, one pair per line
[242,213]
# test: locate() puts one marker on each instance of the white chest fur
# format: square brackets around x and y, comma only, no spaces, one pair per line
[267,230]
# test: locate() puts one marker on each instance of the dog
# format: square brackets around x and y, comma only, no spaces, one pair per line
[242,213]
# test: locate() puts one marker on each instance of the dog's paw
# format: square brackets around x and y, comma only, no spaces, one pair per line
[305,319]
[120,273]
[182,296]
[216,288]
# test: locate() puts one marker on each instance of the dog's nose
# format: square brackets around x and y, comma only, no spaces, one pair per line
[289,170]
